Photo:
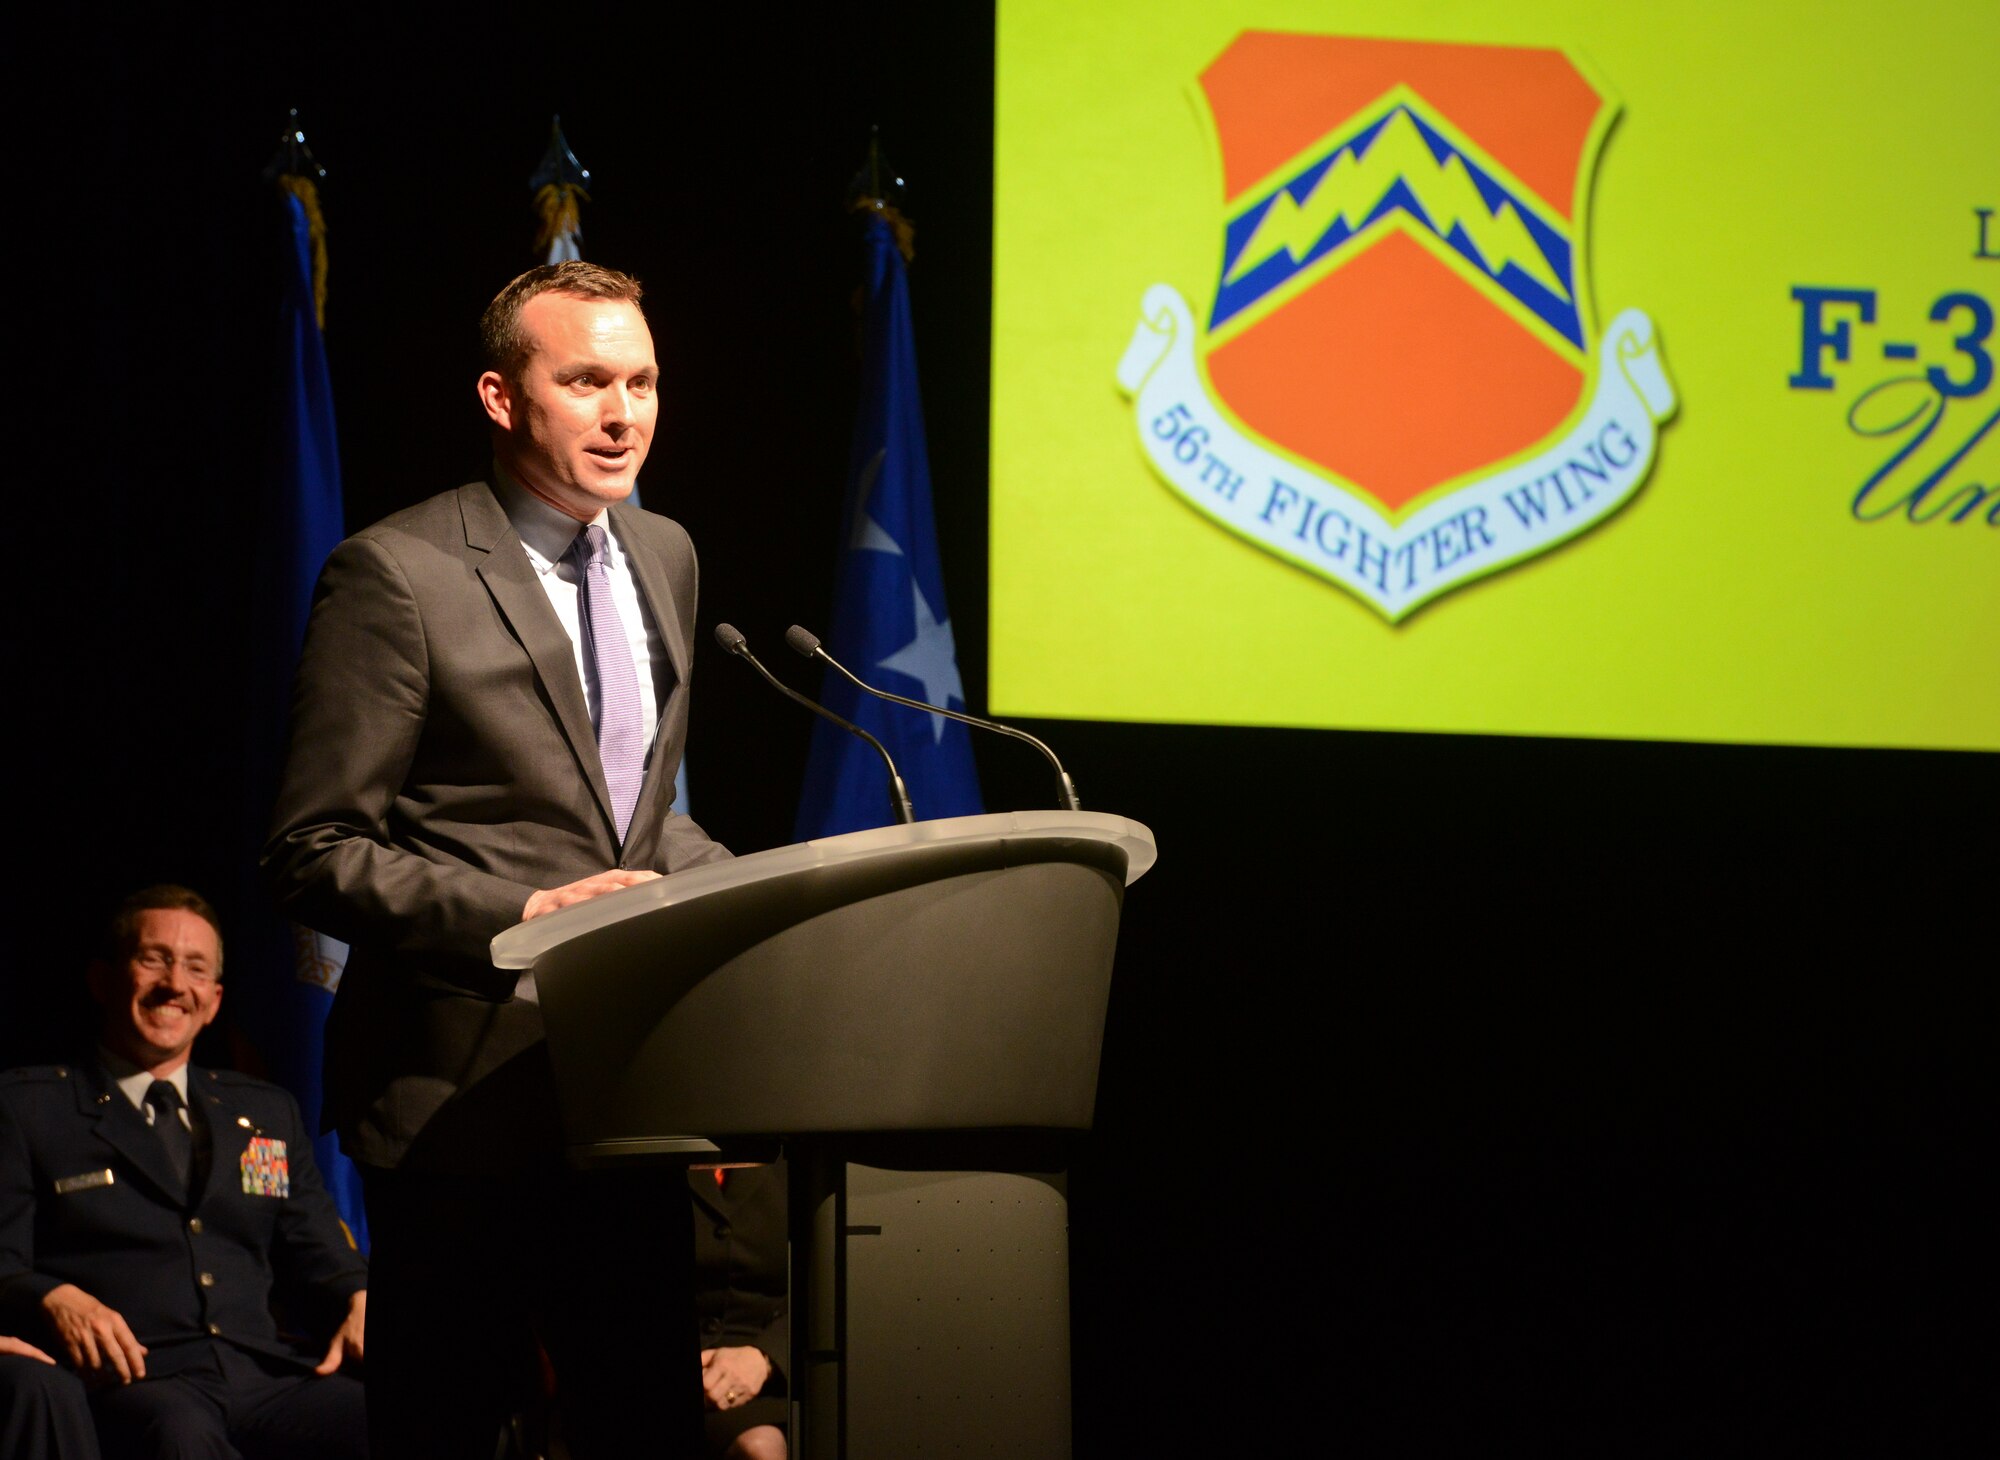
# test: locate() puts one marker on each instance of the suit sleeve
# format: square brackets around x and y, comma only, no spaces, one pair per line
[21,1287]
[765,1315]
[775,1342]
[358,710]
[312,1247]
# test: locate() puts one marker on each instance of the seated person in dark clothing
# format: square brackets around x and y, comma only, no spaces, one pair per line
[739,1281]
[148,1206]
[43,1412]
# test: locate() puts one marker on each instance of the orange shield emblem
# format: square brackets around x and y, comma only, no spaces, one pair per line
[1401,315]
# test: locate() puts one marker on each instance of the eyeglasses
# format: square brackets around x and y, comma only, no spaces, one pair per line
[159,960]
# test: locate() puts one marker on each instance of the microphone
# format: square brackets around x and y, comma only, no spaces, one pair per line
[899,798]
[808,646]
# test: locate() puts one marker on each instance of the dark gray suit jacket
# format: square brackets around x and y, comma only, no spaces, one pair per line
[442,768]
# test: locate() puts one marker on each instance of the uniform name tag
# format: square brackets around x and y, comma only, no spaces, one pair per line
[267,1171]
[85,1182]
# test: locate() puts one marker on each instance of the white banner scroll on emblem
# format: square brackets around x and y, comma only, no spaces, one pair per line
[1326,528]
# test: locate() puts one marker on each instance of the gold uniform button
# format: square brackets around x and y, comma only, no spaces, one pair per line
[194,1225]
[214,1328]
[208,1279]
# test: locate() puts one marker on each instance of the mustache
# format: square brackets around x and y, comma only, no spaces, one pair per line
[160,998]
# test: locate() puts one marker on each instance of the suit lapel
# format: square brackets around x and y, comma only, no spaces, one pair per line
[510,578]
[659,598]
[656,590]
[125,1131]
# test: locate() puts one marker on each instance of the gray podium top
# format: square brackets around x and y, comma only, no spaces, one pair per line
[523,943]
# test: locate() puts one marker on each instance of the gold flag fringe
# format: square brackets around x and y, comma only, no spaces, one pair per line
[905,231]
[559,204]
[307,192]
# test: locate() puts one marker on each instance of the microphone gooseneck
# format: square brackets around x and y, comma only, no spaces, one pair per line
[733,642]
[803,643]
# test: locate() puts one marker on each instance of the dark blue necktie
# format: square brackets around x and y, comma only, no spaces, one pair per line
[166,1103]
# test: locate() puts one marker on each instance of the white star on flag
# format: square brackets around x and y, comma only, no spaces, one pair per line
[869,536]
[930,658]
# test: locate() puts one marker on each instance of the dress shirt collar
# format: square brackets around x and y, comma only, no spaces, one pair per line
[135,1082]
[545,532]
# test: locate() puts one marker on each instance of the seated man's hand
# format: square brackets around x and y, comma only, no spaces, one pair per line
[347,1341]
[551,899]
[23,1350]
[732,1376]
[96,1337]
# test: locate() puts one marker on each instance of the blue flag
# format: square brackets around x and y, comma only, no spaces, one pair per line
[890,624]
[287,990]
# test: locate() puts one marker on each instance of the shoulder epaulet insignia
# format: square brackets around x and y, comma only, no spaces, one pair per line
[236,1080]
[34,1074]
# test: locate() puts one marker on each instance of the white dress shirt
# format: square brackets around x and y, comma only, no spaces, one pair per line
[135,1082]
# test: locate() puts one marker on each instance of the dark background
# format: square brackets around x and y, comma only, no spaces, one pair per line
[1461,1095]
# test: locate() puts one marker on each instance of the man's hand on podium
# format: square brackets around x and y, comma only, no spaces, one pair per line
[548,900]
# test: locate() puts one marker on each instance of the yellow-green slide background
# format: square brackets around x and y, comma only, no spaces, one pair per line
[1759,146]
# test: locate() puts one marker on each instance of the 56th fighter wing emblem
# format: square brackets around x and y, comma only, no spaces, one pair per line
[1398,383]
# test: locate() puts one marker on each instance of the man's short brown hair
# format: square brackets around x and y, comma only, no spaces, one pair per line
[121,936]
[503,346]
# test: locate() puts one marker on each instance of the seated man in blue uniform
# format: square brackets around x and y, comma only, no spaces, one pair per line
[148,1207]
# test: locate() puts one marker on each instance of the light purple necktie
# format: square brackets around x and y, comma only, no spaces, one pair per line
[621,725]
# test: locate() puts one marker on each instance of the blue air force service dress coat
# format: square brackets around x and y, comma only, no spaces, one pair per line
[88,1196]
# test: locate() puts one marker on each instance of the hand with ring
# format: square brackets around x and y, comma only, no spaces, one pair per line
[733,1376]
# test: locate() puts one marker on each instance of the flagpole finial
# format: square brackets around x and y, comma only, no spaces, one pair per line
[559,184]
[293,158]
[294,169]
[878,189]
[558,164]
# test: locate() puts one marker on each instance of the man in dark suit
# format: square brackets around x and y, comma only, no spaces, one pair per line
[147,1206]
[488,717]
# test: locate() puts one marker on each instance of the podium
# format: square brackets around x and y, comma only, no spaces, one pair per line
[924,1003]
